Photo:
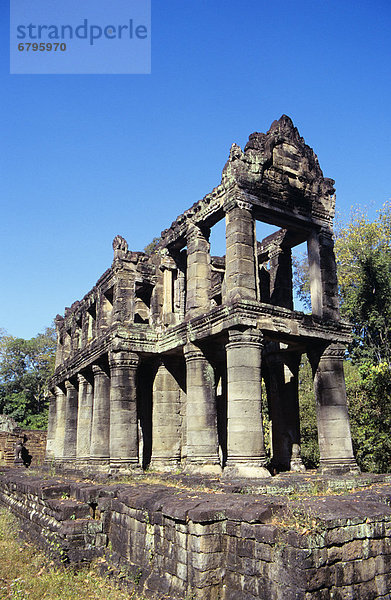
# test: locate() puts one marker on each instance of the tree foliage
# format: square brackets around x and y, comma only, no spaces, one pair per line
[149,248]
[363,252]
[368,389]
[308,427]
[369,400]
[25,367]
[363,257]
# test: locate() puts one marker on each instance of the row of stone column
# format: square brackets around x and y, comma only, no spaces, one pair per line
[95,418]
[241,266]
[245,440]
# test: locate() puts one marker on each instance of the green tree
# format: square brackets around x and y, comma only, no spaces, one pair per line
[363,253]
[369,399]
[308,427]
[25,367]
[149,248]
[363,257]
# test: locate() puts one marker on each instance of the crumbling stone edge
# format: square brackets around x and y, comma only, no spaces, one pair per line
[174,543]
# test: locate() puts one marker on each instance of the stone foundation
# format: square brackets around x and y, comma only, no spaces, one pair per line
[176,543]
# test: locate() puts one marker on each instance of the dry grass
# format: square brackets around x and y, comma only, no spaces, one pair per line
[27,574]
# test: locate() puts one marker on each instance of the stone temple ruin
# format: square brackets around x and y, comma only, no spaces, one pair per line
[161,362]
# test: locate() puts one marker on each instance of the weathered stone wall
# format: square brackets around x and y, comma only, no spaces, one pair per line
[177,543]
[35,445]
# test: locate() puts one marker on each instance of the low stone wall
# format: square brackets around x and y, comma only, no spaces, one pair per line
[35,445]
[181,543]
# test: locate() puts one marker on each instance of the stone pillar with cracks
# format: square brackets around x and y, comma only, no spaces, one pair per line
[71,406]
[100,428]
[166,416]
[281,286]
[51,435]
[241,268]
[201,415]
[198,277]
[123,409]
[245,443]
[84,417]
[282,384]
[335,442]
[60,422]
[323,275]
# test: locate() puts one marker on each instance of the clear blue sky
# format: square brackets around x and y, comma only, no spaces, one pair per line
[85,157]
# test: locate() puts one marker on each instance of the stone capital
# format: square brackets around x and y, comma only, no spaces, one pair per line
[81,378]
[98,371]
[69,385]
[123,360]
[250,337]
[275,250]
[237,203]
[192,352]
[59,390]
[195,231]
[325,234]
[333,352]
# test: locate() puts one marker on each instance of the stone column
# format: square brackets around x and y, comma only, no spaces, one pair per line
[283,391]
[60,423]
[70,420]
[240,271]
[201,417]
[100,428]
[51,435]
[123,409]
[84,417]
[335,443]
[124,293]
[245,444]
[323,275]
[281,279]
[166,416]
[59,322]
[198,276]
[168,267]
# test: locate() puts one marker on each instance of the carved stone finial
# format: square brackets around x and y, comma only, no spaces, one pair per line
[119,243]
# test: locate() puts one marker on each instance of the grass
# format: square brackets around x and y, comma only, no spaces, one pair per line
[27,574]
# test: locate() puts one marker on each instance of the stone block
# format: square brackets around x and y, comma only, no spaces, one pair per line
[206,544]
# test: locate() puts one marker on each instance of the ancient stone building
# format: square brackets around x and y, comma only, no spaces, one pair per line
[161,362]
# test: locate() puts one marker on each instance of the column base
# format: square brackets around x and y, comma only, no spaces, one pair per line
[98,463]
[246,472]
[338,466]
[124,464]
[202,467]
[246,467]
[164,465]
[297,466]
